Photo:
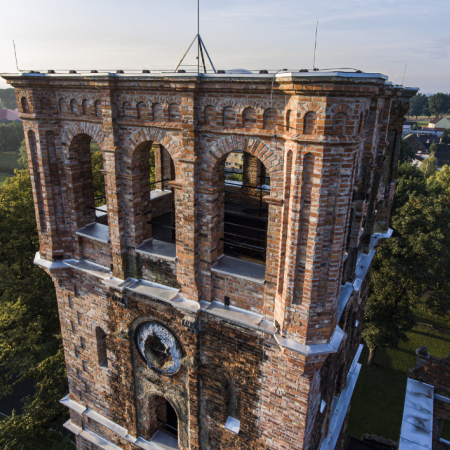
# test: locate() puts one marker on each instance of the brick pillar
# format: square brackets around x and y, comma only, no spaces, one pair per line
[112,157]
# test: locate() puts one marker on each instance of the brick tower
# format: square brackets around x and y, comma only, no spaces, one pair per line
[219,306]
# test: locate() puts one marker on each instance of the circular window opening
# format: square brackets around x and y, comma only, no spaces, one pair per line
[158,347]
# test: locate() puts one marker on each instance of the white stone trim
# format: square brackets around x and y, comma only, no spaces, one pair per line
[342,404]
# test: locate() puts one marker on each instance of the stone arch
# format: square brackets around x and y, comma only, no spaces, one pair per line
[228,102]
[151,134]
[158,99]
[245,104]
[96,324]
[255,146]
[92,130]
[173,99]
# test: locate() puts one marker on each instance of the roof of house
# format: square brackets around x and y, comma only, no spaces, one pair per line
[442,152]
[10,114]
[437,119]
[429,139]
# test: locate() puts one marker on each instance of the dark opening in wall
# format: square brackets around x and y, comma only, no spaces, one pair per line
[245,210]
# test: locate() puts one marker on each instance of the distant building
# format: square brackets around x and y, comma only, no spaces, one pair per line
[9,115]
[442,154]
[440,122]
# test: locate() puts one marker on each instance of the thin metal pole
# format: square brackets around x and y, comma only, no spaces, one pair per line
[403,80]
[198,36]
[315,45]
[207,54]
[185,54]
[15,54]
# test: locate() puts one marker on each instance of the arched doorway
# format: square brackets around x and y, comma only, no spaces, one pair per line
[163,423]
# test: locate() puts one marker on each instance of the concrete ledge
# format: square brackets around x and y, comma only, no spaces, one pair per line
[341,404]
[313,349]
[51,265]
[346,292]
[362,266]
[441,398]
[90,436]
[89,267]
[156,193]
[240,268]
[163,250]
[162,441]
[153,290]
[96,232]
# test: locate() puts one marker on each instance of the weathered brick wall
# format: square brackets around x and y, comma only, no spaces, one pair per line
[332,164]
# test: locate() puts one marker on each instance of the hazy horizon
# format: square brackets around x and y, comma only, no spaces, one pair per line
[373,36]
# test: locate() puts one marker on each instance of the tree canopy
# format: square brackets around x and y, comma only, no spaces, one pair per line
[413,266]
[30,337]
[439,103]
[417,105]
[7,99]
[11,135]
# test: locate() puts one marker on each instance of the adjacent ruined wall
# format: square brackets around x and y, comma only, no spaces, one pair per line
[330,146]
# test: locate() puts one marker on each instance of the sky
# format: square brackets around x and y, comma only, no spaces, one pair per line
[379,36]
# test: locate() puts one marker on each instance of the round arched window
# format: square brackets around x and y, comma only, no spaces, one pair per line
[158,347]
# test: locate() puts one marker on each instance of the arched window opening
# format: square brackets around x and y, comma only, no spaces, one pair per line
[84,107]
[233,407]
[210,115]
[246,189]
[158,112]
[98,108]
[249,118]
[174,113]
[61,106]
[126,110]
[339,122]
[288,119]
[155,203]
[142,111]
[310,126]
[270,119]
[102,357]
[90,210]
[163,421]
[74,107]
[229,117]
[361,122]
[25,106]
[46,107]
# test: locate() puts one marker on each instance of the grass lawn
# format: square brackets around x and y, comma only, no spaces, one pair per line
[3,177]
[8,162]
[378,399]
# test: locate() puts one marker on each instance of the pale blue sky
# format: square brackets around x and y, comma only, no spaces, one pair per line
[371,35]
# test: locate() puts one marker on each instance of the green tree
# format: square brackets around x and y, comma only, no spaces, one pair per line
[406,152]
[446,137]
[439,103]
[8,99]
[409,268]
[11,135]
[428,166]
[23,158]
[30,339]
[417,105]
[98,177]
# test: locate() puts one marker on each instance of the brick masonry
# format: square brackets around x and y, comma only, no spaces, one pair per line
[330,146]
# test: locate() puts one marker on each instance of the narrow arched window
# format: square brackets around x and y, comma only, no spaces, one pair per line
[61,105]
[25,107]
[126,109]
[84,107]
[158,112]
[249,118]
[73,107]
[45,106]
[339,122]
[142,112]
[288,120]
[229,117]
[209,115]
[102,358]
[310,125]
[98,108]
[270,119]
[174,113]
[361,122]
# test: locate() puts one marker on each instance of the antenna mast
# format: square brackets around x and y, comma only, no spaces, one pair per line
[15,54]
[403,80]
[200,46]
[315,45]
